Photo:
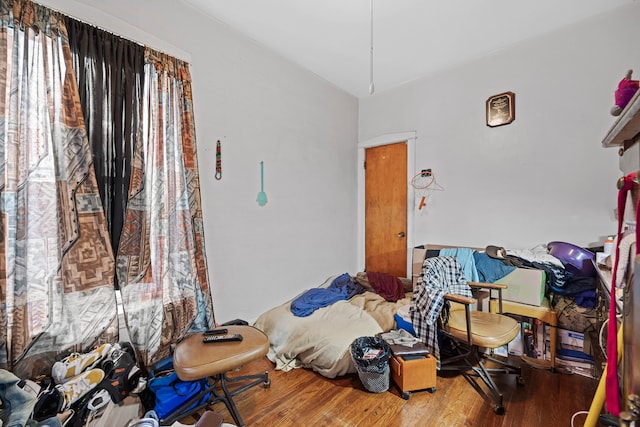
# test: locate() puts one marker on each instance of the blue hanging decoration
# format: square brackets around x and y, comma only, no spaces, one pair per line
[262,196]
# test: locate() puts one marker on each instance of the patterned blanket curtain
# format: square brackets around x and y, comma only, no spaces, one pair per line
[161,263]
[56,260]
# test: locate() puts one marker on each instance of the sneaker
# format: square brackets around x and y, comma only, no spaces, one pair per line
[122,376]
[49,404]
[78,386]
[77,363]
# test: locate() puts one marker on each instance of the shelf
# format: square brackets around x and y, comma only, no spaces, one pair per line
[627,126]
[605,275]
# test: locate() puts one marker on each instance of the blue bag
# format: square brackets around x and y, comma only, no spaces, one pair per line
[171,392]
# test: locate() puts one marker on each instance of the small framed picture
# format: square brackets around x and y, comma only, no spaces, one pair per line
[501,109]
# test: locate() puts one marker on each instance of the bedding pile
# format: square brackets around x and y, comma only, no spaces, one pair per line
[320,340]
[342,287]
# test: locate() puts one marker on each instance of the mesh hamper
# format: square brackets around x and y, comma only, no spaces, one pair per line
[370,356]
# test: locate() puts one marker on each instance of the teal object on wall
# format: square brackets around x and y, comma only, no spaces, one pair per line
[262,196]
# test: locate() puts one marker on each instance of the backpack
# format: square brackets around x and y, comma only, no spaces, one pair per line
[171,392]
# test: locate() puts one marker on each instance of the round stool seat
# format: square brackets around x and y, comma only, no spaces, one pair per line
[194,359]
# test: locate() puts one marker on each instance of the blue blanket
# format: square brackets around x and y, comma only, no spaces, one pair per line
[343,287]
[490,269]
[466,259]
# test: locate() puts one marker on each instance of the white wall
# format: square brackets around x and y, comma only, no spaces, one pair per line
[543,177]
[262,108]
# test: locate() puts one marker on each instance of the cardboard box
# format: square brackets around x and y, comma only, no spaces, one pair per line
[417,259]
[572,340]
[526,286]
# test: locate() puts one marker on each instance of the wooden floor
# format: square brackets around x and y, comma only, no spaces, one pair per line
[304,398]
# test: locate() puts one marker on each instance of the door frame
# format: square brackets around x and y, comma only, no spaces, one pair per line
[408,138]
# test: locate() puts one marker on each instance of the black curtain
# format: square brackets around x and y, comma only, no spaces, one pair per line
[110,72]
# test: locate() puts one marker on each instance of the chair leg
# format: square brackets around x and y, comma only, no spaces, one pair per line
[255,380]
[482,373]
[220,392]
[473,367]
[507,368]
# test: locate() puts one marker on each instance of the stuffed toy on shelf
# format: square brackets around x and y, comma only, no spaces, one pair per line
[626,89]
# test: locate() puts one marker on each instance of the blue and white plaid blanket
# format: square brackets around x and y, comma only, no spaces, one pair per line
[439,276]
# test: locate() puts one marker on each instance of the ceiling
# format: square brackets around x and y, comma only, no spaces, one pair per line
[411,38]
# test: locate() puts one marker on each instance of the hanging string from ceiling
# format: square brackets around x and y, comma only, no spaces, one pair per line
[371,85]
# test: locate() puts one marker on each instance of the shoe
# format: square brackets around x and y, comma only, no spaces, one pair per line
[77,363]
[78,386]
[56,401]
[48,405]
[122,376]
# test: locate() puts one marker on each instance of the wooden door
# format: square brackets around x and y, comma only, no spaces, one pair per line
[386,209]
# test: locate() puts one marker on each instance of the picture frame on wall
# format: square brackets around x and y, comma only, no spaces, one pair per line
[501,109]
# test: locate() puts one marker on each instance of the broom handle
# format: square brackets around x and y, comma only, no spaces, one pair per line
[262,176]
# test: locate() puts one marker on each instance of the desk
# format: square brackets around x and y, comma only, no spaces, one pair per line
[605,277]
[543,313]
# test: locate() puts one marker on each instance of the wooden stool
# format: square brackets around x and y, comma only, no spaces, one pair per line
[193,360]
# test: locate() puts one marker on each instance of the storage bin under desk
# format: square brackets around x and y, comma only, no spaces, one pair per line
[542,312]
